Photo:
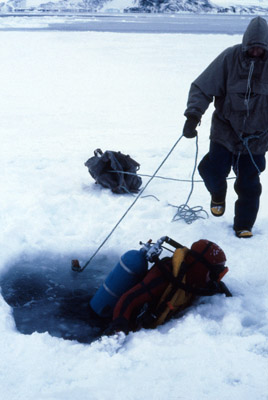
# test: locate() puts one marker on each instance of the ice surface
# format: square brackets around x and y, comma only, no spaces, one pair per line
[63,94]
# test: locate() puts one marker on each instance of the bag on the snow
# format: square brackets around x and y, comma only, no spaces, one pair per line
[114,170]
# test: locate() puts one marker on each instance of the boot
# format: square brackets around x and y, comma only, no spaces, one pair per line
[217,208]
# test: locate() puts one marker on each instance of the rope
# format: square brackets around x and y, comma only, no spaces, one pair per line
[132,204]
[162,177]
[188,214]
[245,143]
[245,140]
[131,194]
[248,92]
[184,212]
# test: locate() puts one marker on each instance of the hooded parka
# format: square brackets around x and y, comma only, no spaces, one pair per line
[238,84]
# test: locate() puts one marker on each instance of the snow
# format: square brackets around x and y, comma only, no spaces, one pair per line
[109,5]
[119,4]
[33,3]
[63,94]
[244,3]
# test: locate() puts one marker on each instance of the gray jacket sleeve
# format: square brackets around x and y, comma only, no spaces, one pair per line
[211,83]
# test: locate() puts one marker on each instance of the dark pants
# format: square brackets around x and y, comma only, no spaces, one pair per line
[214,169]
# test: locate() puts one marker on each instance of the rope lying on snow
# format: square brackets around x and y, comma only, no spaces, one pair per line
[164,177]
[184,212]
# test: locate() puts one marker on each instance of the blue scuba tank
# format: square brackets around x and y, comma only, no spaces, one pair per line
[130,270]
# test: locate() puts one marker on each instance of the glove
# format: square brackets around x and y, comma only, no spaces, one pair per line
[189,129]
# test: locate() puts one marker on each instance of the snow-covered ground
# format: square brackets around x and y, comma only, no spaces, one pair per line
[63,94]
[120,4]
[244,3]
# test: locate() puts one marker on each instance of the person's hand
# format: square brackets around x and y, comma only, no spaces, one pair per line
[189,129]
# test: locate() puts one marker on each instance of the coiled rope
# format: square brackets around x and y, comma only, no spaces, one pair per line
[184,212]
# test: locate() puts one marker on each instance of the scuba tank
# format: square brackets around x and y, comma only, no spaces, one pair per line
[130,270]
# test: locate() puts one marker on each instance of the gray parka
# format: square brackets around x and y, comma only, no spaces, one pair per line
[238,85]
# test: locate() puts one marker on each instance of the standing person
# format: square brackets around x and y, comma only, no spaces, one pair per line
[237,81]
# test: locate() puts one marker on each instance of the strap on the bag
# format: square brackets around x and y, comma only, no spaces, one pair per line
[177,283]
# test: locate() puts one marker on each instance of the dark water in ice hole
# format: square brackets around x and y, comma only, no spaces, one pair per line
[47,296]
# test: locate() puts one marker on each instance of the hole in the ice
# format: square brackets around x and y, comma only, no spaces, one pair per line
[47,296]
